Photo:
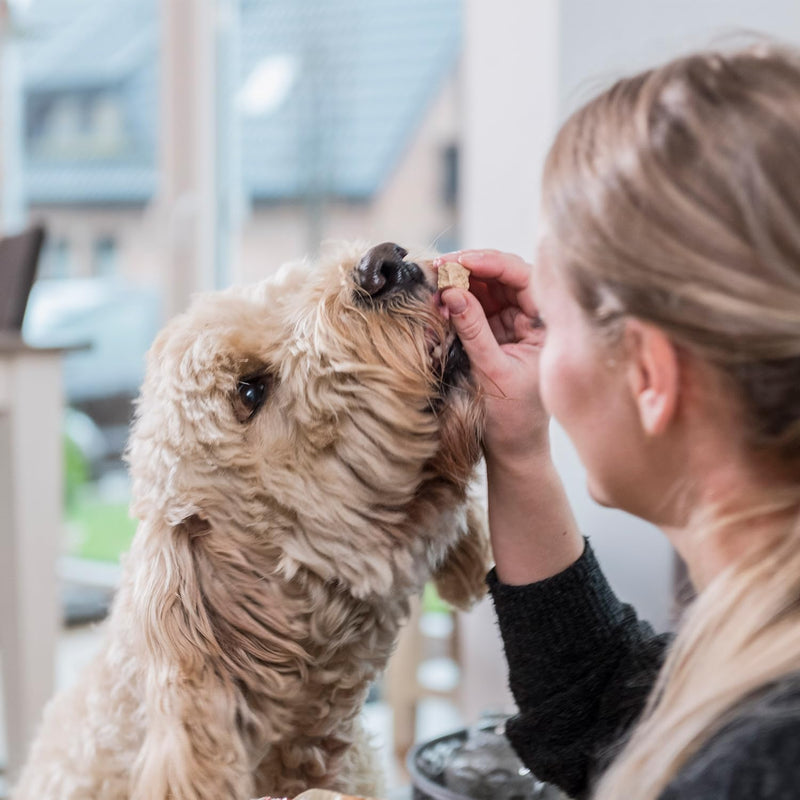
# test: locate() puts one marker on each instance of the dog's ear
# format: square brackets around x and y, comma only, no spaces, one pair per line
[461,578]
[190,708]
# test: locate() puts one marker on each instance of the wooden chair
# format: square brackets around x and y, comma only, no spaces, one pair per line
[403,686]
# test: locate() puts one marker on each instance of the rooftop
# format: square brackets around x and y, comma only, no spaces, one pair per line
[328,92]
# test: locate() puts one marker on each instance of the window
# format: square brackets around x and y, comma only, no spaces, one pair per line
[450,182]
[56,258]
[74,124]
[104,256]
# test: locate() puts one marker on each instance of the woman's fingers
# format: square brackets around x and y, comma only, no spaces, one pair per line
[508,268]
[503,275]
[472,327]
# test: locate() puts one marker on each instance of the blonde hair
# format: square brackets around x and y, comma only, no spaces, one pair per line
[674,197]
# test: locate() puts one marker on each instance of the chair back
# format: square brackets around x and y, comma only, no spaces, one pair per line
[19,256]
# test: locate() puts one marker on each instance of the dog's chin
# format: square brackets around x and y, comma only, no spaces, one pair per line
[459,410]
[456,364]
[451,369]
[448,360]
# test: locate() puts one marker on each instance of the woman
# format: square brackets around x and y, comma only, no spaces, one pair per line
[661,327]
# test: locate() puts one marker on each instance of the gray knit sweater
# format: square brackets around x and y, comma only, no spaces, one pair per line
[580,667]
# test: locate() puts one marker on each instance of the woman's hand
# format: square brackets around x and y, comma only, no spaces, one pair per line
[498,325]
[533,532]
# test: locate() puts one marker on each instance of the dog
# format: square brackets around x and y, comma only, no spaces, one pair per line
[300,458]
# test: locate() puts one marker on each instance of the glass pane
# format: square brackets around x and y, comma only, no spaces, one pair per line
[90,136]
[348,125]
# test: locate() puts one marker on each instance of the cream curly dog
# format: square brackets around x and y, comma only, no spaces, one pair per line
[300,463]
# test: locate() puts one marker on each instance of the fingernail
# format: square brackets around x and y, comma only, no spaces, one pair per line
[470,256]
[437,262]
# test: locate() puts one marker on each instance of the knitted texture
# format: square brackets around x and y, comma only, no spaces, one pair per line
[581,665]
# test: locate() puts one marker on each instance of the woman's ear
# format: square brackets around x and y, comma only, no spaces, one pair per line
[654,375]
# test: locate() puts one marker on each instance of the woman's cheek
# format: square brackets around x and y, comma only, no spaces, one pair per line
[549,380]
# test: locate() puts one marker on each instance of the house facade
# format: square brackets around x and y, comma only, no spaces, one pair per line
[345,118]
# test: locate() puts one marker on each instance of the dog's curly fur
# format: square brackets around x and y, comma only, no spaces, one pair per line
[277,552]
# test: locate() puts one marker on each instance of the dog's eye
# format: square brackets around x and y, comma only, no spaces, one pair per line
[250,395]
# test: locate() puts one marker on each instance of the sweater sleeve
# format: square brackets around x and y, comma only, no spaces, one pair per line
[580,668]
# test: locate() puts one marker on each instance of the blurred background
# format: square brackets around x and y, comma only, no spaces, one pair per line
[174,146]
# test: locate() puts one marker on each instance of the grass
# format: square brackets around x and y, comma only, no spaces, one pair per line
[432,602]
[102,530]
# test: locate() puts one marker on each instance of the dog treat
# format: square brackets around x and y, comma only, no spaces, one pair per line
[453,274]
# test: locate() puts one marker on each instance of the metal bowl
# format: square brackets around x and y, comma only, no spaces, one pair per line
[474,764]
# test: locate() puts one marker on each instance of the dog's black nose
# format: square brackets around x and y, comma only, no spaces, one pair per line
[382,270]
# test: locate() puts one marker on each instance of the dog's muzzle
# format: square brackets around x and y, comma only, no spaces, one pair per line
[382,272]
